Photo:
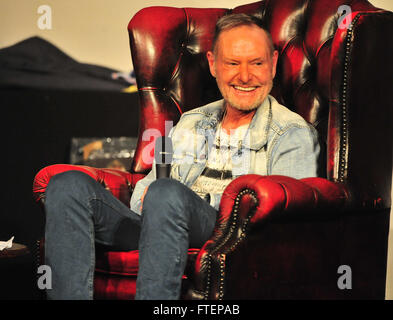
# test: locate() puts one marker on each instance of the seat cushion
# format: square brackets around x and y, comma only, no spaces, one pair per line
[114,287]
[115,274]
[126,263]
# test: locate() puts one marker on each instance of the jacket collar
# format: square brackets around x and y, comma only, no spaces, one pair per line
[257,133]
[259,126]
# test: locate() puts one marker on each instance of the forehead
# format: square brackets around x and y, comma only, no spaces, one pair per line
[243,40]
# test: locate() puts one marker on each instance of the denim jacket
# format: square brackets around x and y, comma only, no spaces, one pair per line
[277,142]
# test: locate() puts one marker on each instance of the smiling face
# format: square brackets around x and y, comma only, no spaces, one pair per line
[244,66]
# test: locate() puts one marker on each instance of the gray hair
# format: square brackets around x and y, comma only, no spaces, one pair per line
[230,21]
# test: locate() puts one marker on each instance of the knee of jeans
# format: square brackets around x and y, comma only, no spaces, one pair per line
[65,185]
[163,193]
[164,189]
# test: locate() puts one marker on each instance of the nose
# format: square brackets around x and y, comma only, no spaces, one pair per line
[244,73]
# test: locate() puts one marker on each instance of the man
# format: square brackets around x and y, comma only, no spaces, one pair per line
[246,132]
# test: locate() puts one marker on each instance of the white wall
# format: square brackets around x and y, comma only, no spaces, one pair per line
[93,31]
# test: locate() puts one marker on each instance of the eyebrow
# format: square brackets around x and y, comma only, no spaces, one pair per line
[258,59]
[236,60]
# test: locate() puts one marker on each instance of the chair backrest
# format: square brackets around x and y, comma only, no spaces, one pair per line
[315,45]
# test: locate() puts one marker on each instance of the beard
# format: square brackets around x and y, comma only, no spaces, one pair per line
[241,105]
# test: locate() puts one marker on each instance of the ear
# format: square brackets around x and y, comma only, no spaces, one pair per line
[210,59]
[274,62]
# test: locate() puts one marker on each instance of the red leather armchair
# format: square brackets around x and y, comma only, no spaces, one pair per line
[276,237]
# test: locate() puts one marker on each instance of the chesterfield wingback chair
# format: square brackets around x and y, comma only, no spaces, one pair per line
[276,237]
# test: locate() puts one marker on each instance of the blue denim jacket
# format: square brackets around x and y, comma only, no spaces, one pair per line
[277,142]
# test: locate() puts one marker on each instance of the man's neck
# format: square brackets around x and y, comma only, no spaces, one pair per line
[234,118]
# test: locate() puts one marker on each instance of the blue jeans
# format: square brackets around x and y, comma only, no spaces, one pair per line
[81,213]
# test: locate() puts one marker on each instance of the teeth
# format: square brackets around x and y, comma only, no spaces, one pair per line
[245,88]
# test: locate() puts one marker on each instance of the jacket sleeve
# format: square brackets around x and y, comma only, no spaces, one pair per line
[295,153]
[136,203]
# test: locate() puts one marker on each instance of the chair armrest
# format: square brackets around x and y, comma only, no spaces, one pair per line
[252,200]
[281,197]
[120,183]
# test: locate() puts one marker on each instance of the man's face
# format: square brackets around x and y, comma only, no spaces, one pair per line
[243,66]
